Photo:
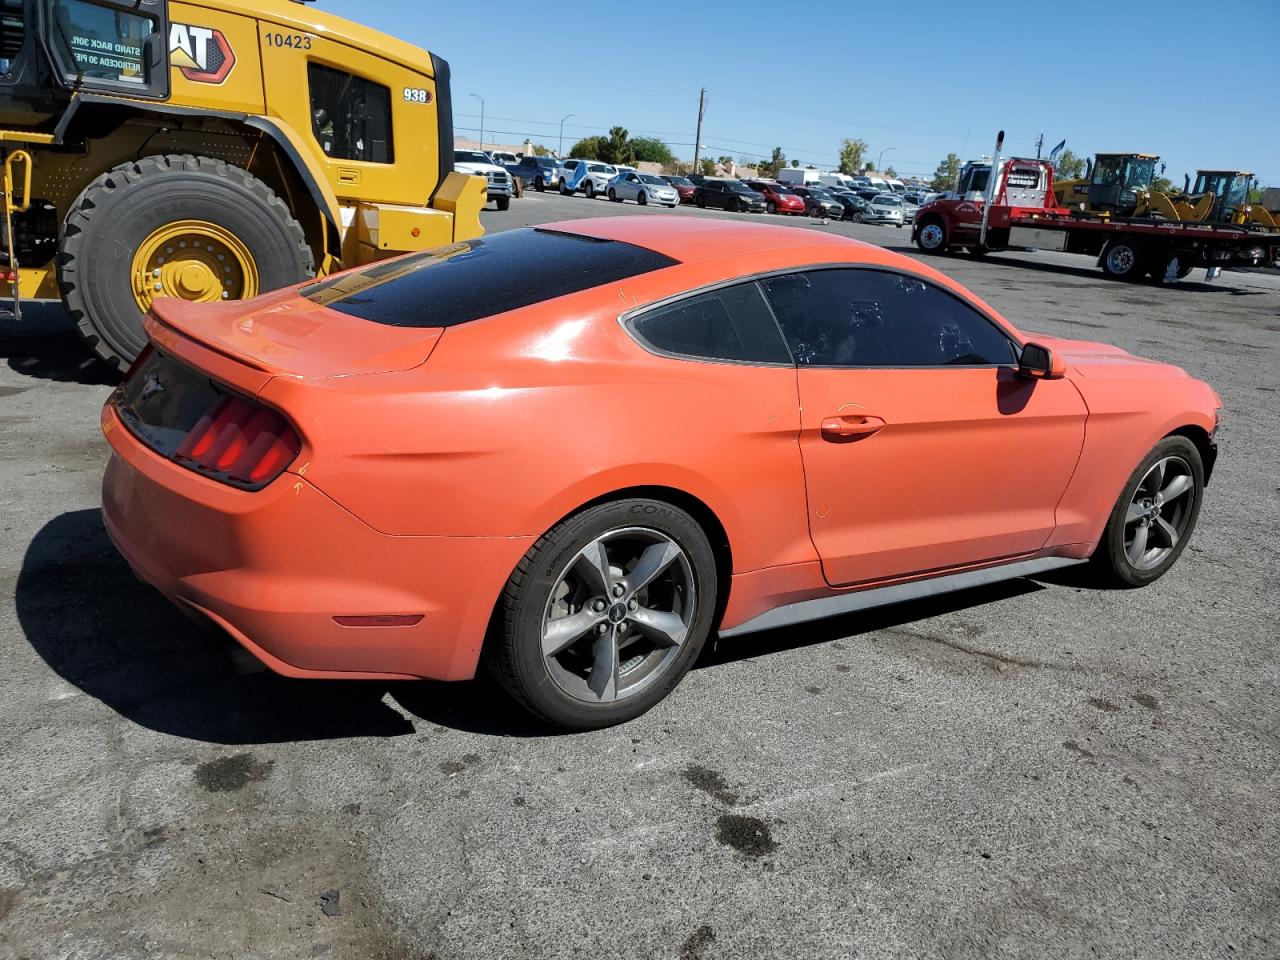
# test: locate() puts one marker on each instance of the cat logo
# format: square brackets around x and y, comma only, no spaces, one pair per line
[202,54]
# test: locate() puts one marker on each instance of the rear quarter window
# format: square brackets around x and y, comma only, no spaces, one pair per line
[480,278]
[731,324]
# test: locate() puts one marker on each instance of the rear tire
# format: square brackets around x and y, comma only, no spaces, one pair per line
[1153,503]
[1124,260]
[123,208]
[557,580]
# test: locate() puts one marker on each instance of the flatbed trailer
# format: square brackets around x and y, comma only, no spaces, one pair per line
[1023,215]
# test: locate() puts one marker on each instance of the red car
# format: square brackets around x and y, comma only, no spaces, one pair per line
[777,198]
[684,186]
[578,451]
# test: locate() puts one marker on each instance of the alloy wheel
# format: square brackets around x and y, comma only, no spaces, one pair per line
[618,615]
[1159,513]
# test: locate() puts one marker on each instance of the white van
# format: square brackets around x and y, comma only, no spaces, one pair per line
[798,176]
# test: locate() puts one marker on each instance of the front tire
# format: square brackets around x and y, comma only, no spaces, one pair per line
[642,198]
[771,207]
[931,237]
[605,614]
[504,203]
[540,185]
[613,195]
[590,190]
[1152,521]
[564,189]
[124,236]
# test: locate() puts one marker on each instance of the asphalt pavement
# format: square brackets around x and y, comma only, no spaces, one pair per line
[1031,770]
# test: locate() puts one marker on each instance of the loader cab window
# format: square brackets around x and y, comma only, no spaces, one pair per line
[102,44]
[13,34]
[350,116]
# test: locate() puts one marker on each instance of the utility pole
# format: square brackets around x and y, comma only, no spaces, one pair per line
[1039,145]
[697,137]
[481,99]
[560,148]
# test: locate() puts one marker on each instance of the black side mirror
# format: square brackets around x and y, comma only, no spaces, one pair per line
[1037,362]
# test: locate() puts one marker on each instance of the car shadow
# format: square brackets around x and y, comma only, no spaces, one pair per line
[45,345]
[121,642]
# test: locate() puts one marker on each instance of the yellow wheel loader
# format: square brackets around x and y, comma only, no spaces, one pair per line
[212,150]
[1111,184]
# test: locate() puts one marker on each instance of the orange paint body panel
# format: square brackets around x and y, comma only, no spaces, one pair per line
[432,459]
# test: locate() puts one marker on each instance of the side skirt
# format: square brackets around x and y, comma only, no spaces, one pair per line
[854,600]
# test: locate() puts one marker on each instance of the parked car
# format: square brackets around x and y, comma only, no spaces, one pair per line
[642,188]
[588,176]
[684,187]
[909,208]
[731,195]
[497,179]
[537,172]
[885,208]
[855,208]
[819,203]
[777,197]
[370,475]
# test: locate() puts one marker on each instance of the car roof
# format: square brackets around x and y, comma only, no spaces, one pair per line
[695,239]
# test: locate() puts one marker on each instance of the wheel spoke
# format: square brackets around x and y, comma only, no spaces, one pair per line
[1176,487]
[665,629]
[559,634]
[1135,513]
[593,566]
[1169,531]
[603,681]
[652,562]
[1154,479]
[1139,545]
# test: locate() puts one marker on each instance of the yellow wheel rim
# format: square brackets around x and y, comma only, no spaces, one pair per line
[193,260]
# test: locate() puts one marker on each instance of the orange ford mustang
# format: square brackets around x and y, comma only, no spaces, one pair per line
[578,450]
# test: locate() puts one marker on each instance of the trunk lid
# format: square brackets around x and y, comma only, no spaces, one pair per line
[283,334]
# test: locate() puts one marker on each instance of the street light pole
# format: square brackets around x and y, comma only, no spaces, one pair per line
[560,146]
[481,99]
[880,169]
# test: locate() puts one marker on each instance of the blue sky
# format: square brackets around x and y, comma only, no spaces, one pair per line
[917,80]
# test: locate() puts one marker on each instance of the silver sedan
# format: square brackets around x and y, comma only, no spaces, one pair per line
[642,188]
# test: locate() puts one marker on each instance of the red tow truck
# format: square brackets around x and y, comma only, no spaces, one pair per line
[1018,211]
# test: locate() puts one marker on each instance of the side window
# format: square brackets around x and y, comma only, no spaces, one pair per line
[101,43]
[729,324]
[351,116]
[873,318]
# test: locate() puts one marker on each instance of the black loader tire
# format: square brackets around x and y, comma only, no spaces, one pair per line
[117,212]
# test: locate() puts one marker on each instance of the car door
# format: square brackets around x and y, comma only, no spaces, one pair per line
[923,449]
[632,187]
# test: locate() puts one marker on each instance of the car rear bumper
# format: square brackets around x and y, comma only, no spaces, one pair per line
[283,569]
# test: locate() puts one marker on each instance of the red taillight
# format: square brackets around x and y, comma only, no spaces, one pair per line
[240,442]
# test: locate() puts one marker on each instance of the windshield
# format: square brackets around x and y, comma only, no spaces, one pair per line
[471,156]
[680,181]
[1141,173]
[650,178]
[739,187]
[600,168]
[886,200]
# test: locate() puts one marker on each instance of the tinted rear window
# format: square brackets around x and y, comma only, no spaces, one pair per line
[479,278]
